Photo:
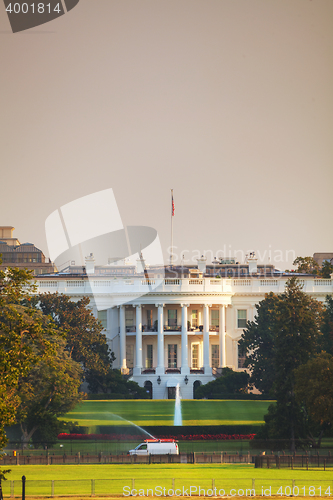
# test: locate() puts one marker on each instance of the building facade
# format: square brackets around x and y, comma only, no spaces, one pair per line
[176,325]
[22,256]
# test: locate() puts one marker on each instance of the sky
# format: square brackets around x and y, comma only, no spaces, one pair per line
[227,102]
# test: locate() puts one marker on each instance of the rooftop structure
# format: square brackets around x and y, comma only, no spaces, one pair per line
[23,256]
[321,257]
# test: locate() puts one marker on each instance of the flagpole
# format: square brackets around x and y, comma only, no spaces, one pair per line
[172,210]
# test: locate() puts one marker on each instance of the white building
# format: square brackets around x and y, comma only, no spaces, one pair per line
[170,325]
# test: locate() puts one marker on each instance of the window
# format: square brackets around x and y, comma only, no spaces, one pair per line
[215,317]
[241,318]
[172,317]
[195,356]
[149,319]
[141,447]
[215,355]
[101,315]
[129,316]
[172,355]
[149,358]
[171,392]
[194,318]
[130,355]
[241,357]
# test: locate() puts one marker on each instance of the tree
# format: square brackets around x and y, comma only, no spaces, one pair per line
[87,344]
[306,265]
[327,326]
[326,269]
[85,341]
[292,320]
[16,356]
[296,342]
[36,375]
[314,388]
[49,390]
[115,384]
[258,341]
[229,383]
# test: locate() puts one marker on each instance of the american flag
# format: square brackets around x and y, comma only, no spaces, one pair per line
[172,206]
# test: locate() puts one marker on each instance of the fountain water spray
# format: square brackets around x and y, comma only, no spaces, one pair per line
[178,410]
[134,425]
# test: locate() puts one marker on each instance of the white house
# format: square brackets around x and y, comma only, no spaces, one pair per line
[175,325]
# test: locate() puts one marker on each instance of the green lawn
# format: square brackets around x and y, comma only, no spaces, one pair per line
[161,412]
[111,479]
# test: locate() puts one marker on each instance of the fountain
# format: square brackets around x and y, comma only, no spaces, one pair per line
[117,417]
[178,410]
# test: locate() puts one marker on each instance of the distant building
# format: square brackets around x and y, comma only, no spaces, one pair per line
[23,256]
[321,257]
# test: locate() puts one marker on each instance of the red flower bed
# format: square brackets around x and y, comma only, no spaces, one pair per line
[179,437]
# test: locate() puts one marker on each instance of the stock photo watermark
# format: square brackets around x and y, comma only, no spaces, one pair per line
[25,15]
[198,491]
[227,253]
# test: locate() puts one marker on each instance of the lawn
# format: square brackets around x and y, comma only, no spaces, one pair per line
[112,479]
[161,412]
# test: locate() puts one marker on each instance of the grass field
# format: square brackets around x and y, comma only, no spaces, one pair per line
[161,412]
[112,479]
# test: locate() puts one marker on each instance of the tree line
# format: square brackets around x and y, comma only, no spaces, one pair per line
[289,348]
[49,346]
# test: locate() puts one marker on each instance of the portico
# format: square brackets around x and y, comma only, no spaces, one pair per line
[171,342]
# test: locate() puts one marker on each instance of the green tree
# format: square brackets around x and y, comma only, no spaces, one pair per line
[49,390]
[327,326]
[114,383]
[306,265]
[297,339]
[85,341]
[258,341]
[16,356]
[230,382]
[326,269]
[285,335]
[314,388]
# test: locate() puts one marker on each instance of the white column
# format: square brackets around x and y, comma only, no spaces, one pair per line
[207,367]
[160,340]
[222,337]
[184,368]
[122,353]
[138,340]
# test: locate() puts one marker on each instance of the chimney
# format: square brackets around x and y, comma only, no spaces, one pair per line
[140,264]
[90,264]
[202,264]
[252,262]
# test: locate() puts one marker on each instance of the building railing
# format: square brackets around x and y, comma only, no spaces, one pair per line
[148,371]
[130,329]
[322,282]
[197,371]
[177,328]
[138,285]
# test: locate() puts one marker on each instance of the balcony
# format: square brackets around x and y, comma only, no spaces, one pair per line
[177,328]
[197,371]
[150,371]
[130,329]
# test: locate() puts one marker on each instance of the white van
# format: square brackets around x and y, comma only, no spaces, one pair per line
[156,447]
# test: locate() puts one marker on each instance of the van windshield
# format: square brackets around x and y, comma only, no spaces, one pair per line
[142,446]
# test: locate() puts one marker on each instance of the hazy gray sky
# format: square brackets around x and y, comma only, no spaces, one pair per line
[228,102]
